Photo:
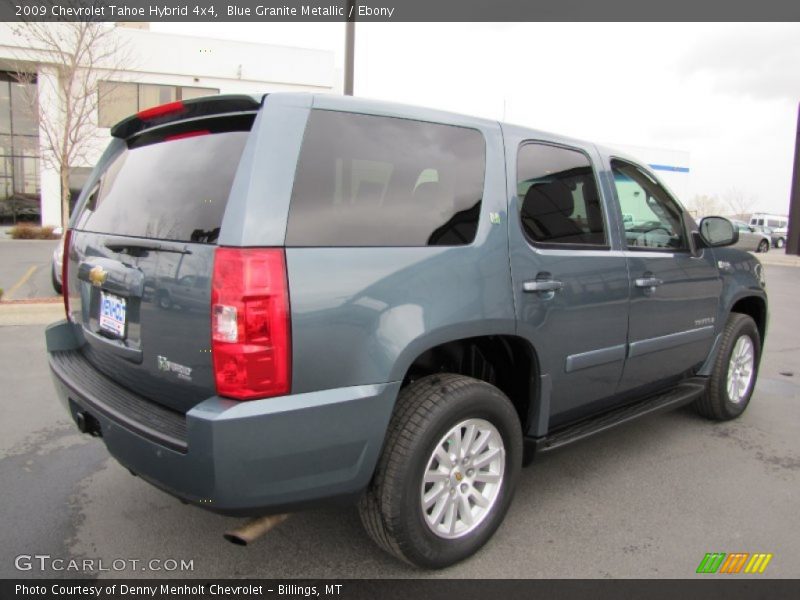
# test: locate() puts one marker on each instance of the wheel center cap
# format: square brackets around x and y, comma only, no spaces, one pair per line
[459,476]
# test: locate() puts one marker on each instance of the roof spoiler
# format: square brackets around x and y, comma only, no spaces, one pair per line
[184,109]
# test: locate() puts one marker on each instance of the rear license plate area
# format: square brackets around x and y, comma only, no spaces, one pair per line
[113,313]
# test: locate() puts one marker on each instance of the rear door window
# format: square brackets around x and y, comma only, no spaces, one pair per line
[366,180]
[559,201]
[171,190]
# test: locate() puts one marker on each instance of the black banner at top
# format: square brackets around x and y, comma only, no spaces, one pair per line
[399,10]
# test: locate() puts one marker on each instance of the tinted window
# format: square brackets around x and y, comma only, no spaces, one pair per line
[379,181]
[559,203]
[172,190]
[656,218]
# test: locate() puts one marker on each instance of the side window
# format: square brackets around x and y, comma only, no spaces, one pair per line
[367,180]
[559,202]
[657,219]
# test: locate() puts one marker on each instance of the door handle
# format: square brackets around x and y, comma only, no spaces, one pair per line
[542,285]
[648,282]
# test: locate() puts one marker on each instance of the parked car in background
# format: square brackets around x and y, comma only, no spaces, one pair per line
[778,238]
[750,238]
[778,226]
[56,264]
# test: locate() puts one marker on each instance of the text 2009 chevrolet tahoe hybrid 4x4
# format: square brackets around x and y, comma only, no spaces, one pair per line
[281,300]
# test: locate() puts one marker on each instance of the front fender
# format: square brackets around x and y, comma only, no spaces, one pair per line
[739,271]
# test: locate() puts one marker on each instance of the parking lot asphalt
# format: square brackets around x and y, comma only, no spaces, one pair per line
[25,268]
[645,500]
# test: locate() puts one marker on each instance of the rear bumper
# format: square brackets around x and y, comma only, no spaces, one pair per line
[241,458]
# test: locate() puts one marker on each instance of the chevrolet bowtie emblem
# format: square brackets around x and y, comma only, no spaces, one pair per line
[98,276]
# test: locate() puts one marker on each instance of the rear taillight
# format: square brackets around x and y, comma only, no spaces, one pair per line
[65,272]
[250,329]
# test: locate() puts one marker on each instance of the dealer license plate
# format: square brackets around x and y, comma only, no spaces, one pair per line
[112,314]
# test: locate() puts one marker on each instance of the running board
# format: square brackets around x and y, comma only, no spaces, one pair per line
[682,394]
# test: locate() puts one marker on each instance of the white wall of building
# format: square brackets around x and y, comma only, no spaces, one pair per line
[167,59]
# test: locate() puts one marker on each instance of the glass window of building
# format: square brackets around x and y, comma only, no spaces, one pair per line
[153,95]
[118,100]
[187,93]
[20,195]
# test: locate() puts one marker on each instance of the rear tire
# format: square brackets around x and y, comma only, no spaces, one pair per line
[735,371]
[780,242]
[406,509]
[763,246]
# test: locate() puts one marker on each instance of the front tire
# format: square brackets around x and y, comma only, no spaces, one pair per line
[735,371]
[763,246]
[164,301]
[447,473]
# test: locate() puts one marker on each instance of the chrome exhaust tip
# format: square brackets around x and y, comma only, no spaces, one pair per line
[254,529]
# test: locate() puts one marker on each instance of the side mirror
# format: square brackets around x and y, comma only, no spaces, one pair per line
[718,231]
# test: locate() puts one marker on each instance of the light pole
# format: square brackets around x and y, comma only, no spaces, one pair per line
[793,235]
[349,47]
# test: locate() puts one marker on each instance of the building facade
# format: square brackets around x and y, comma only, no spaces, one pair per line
[162,68]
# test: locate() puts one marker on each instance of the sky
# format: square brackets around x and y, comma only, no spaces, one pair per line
[727,94]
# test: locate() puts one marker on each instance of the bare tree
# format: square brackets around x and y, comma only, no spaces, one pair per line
[82,54]
[704,206]
[739,204]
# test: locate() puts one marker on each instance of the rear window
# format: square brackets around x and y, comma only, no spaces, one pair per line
[170,190]
[381,181]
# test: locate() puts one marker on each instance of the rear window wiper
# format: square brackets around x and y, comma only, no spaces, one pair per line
[140,247]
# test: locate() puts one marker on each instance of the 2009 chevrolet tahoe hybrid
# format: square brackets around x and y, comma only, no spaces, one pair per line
[282,300]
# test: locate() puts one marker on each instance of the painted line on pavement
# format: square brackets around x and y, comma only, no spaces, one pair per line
[31,270]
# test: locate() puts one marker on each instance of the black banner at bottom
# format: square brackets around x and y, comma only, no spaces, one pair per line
[407,589]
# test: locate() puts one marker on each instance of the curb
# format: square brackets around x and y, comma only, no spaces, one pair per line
[779,260]
[23,312]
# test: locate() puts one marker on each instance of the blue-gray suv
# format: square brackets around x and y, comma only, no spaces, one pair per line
[277,301]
